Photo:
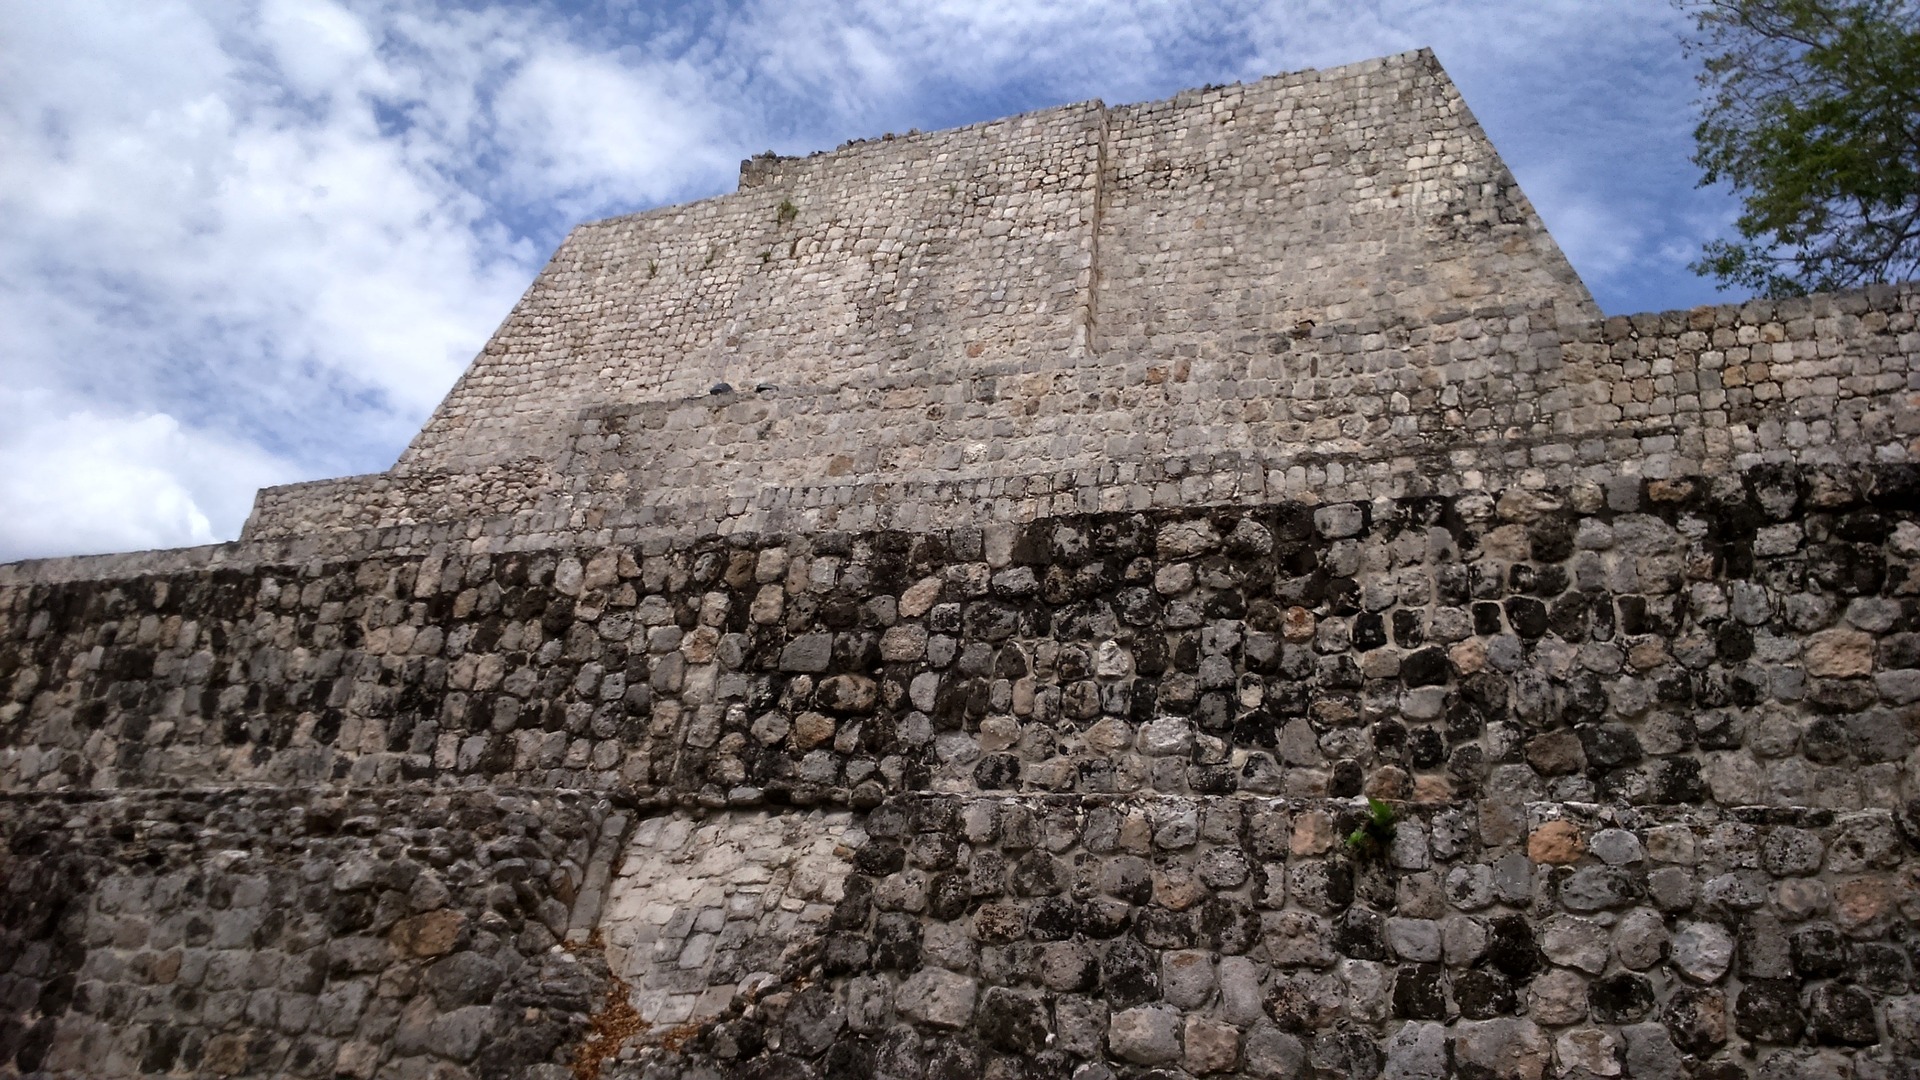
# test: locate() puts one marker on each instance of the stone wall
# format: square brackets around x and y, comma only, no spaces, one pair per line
[260,933]
[1745,638]
[1322,286]
[1102,248]
[1537,679]
[887,256]
[1187,937]
[1484,401]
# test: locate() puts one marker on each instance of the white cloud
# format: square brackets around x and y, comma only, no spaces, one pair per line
[319,47]
[276,230]
[75,480]
[277,233]
[598,132]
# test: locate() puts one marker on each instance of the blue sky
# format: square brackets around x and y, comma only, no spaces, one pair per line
[247,242]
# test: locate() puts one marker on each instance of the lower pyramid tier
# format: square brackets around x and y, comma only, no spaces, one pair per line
[1611,781]
[425,932]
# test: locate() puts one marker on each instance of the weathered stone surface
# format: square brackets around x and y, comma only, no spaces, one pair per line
[1505,1049]
[939,998]
[1842,1015]
[432,934]
[1702,951]
[1210,1046]
[1147,1035]
[1558,997]
[1640,939]
[1839,654]
[1575,942]
[1272,1054]
[1696,1020]
[1013,1022]
[1651,1054]
[1588,1051]
[1768,1011]
[1558,842]
[1418,1051]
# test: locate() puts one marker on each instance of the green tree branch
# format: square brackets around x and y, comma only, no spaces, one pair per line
[1811,113]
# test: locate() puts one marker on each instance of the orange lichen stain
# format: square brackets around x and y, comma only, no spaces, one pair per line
[676,1038]
[612,1026]
[607,1031]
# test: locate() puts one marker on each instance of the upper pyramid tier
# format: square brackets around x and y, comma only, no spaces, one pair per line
[1320,286]
[1024,244]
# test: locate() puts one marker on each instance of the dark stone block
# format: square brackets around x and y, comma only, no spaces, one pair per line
[1511,949]
[1351,1054]
[1609,746]
[1527,616]
[896,941]
[1227,925]
[1425,748]
[465,978]
[1425,667]
[1011,1021]
[1825,741]
[1768,1011]
[1842,1016]
[1841,697]
[33,1045]
[1103,917]
[1291,1001]
[1624,998]
[1483,995]
[997,772]
[1130,974]
[1633,615]
[1880,967]
[1054,918]
[1409,627]
[856,902]
[1420,992]
[1213,779]
[1361,934]
[1347,780]
[845,954]
[1037,874]
[1819,952]
[1569,617]
[1552,539]
[1696,1020]
[1486,618]
[814,1020]
[1676,780]
[879,860]
[1164,929]
[850,1056]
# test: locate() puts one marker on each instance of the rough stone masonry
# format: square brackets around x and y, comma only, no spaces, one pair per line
[942,611]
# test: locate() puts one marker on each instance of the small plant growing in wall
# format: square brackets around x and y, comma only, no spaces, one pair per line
[1373,836]
[653,268]
[787,212]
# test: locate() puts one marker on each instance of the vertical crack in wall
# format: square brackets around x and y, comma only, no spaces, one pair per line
[1090,310]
